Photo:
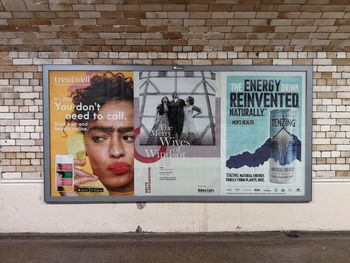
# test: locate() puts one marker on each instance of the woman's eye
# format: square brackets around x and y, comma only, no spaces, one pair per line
[98,139]
[128,138]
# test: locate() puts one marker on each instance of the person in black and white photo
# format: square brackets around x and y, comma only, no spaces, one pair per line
[160,132]
[189,131]
[176,116]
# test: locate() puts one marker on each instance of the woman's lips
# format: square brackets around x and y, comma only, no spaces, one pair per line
[119,167]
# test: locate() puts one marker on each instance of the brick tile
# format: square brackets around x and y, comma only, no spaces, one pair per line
[22,15]
[237,22]
[61,7]
[174,8]
[335,8]
[257,42]
[261,29]
[45,15]
[341,62]
[158,29]
[10,5]
[202,62]
[178,15]
[303,22]
[17,22]
[151,22]
[115,42]
[5,15]
[198,42]
[222,14]
[301,2]
[142,61]
[84,22]
[326,29]
[311,8]
[106,7]
[288,8]
[277,35]
[221,7]
[195,8]
[244,15]
[40,21]
[319,35]
[326,22]
[109,35]
[259,22]
[128,7]
[338,36]
[67,14]
[157,15]
[194,22]
[309,15]
[183,29]
[242,29]
[215,22]
[111,14]
[82,7]
[344,28]
[200,15]
[300,42]
[243,8]
[256,35]
[239,42]
[279,42]
[281,22]
[288,15]
[151,8]
[302,61]
[284,29]
[262,61]
[269,15]
[63,22]
[342,173]
[134,14]
[89,15]
[333,15]
[305,28]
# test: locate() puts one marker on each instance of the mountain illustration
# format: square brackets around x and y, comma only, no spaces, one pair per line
[283,148]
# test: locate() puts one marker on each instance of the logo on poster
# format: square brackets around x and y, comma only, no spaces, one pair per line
[71,80]
[206,190]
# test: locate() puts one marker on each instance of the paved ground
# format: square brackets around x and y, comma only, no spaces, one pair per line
[147,247]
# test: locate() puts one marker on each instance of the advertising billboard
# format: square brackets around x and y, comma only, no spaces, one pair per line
[151,133]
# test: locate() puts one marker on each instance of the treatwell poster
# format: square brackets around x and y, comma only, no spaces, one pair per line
[148,133]
[85,113]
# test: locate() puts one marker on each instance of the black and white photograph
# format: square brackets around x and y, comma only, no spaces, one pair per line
[177,108]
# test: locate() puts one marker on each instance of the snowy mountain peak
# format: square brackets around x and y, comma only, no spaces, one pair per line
[282,138]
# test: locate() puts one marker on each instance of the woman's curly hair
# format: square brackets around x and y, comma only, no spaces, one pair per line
[103,87]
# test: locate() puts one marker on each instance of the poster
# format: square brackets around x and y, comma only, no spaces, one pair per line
[179,140]
[264,127]
[85,114]
[149,133]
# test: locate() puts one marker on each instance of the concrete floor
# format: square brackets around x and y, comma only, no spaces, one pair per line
[148,247]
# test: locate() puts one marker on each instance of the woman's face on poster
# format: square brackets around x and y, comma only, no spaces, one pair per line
[109,143]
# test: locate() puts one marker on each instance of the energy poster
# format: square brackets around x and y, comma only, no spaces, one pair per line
[265,133]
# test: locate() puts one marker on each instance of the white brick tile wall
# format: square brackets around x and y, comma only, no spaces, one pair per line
[21,104]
